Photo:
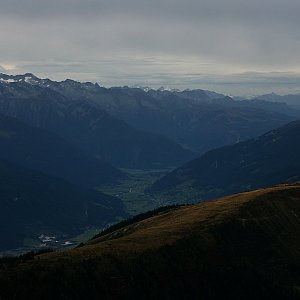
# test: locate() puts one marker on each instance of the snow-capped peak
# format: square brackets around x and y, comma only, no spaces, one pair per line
[144,88]
[7,80]
[167,89]
[27,78]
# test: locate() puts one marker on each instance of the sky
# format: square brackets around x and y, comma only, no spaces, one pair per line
[236,47]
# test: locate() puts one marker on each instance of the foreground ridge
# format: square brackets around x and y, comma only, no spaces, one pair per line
[238,247]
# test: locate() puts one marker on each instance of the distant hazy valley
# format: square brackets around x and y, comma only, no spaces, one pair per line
[83,134]
[76,158]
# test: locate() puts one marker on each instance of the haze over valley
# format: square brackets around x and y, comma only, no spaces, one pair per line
[149,149]
[77,157]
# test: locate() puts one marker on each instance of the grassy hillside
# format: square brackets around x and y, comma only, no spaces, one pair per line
[244,246]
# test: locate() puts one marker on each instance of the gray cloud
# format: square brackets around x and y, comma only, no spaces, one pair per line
[126,41]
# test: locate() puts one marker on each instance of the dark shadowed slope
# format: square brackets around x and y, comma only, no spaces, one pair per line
[47,152]
[198,122]
[90,128]
[245,246]
[269,159]
[33,203]
[197,119]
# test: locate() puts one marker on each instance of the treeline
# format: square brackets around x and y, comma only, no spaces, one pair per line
[135,219]
[11,261]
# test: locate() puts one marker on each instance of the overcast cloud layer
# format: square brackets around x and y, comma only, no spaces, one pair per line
[231,46]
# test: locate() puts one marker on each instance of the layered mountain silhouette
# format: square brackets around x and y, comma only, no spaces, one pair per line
[60,140]
[47,152]
[269,159]
[83,123]
[197,119]
[291,100]
[33,203]
[193,118]
[244,246]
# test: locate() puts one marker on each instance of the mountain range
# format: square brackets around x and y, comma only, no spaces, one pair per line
[138,118]
[194,119]
[84,124]
[61,143]
[292,100]
[78,135]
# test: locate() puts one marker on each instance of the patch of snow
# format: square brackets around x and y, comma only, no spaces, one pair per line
[67,243]
[30,80]
[47,239]
[7,80]
[167,89]
[144,88]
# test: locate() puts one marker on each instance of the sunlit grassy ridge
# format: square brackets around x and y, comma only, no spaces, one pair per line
[243,246]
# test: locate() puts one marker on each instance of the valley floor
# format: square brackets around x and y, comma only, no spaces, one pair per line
[131,191]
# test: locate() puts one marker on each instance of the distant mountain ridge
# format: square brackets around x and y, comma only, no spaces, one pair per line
[86,125]
[269,159]
[192,117]
[196,119]
[199,124]
[292,100]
